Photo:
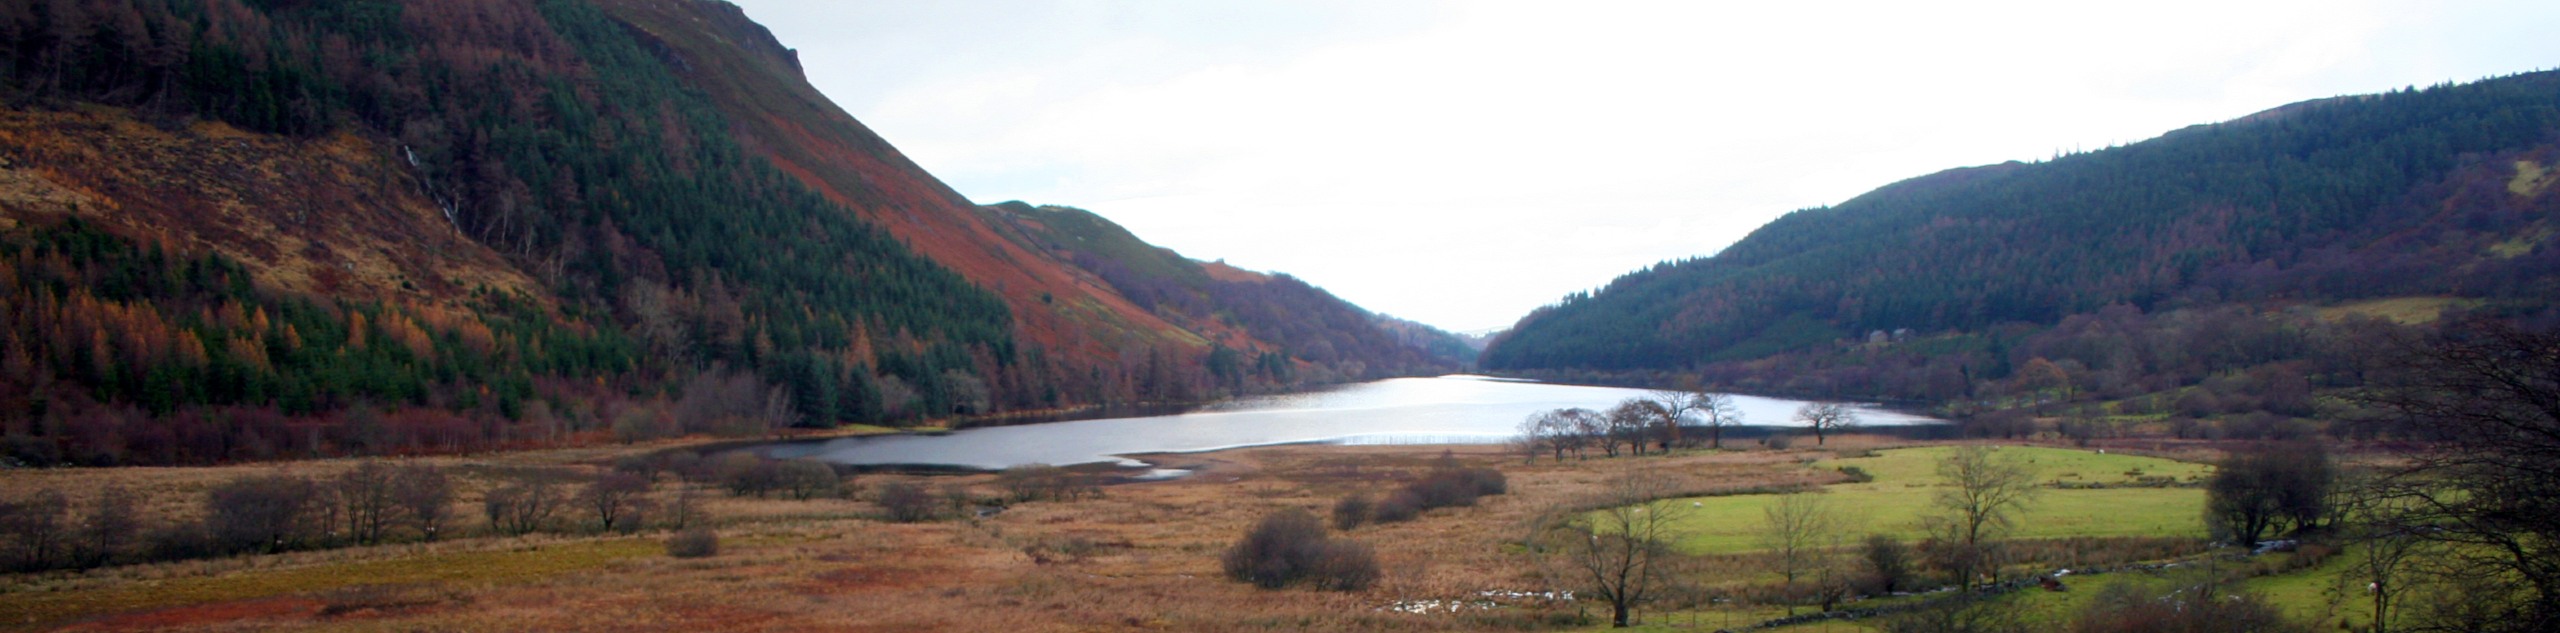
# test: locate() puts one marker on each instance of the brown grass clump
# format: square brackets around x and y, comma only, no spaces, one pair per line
[695,542]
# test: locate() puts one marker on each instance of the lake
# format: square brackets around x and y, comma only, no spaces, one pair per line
[1454,409]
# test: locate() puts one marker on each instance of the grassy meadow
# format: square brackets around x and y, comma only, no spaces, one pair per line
[1906,483]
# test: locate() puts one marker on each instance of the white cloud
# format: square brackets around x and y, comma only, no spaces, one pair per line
[1462,163]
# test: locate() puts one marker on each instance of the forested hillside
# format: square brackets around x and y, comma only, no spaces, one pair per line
[1297,319]
[271,229]
[2222,275]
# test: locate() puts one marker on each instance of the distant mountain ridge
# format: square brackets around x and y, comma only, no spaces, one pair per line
[2433,192]
[1233,307]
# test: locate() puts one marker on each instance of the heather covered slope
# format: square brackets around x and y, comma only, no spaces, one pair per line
[576,220]
[2442,192]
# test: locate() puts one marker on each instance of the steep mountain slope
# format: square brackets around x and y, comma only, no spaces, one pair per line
[758,84]
[568,219]
[2436,192]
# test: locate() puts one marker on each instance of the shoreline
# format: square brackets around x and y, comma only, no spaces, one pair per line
[1154,461]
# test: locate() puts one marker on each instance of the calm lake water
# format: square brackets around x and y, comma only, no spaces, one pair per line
[1443,410]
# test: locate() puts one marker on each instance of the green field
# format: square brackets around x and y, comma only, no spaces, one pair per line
[1906,482]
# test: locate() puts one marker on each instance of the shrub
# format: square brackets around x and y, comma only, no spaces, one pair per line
[1342,565]
[1889,560]
[1444,487]
[1962,614]
[642,465]
[178,541]
[905,502]
[805,480]
[696,542]
[1290,546]
[1035,482]
[1401,505]
[35,531]
[521,508]
[425,496]
[1351,511]
[2126,608]
[1441,490]
[1487,481]
[1857,475]
[746,474]
[266,513]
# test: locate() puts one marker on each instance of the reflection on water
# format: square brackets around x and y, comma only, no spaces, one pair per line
[1443,410]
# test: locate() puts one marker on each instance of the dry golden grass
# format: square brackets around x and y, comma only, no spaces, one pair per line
[2402,310]
[1142,557]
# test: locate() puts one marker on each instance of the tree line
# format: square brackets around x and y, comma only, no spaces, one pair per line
[1661,422]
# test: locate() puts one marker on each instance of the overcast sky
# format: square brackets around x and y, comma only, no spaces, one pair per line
[1462,163]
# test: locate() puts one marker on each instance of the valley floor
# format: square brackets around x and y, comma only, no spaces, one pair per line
[1142,556]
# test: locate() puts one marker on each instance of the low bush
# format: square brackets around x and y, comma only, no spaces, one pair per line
[1857,475]
[1448,486]
[1351,511]
[1399,506]
[1291,547]
[2126,608]
[1043,482]
[805,480]
[696,542]
[905,502]
[1342,565]
[261,513]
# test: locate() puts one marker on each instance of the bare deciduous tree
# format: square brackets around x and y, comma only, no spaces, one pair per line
[2386,550]
[1630,423]
[522,507]
[1984,490]
[1619,552]
[1537,435]
[616,499]
[35,529]
[111,524]
[366,500]
[425,497]
[1800,529]
[1717,411]
[1677,405]
[1826,418]
[1582,428]
[2490,493]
